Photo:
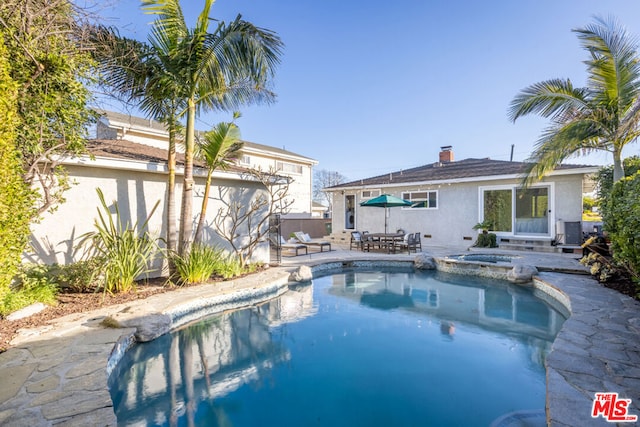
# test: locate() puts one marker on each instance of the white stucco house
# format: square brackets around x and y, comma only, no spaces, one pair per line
[450,197]
[117,126]
[127,161]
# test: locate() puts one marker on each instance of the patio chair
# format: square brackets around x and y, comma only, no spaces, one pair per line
[297,247]
[369,241]
[356,241]
[304,239]
[418,242]
[407,243]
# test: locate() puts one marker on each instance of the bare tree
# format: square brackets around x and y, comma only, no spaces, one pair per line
[322,179]
[243,219]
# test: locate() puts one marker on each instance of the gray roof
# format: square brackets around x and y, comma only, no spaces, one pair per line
[127,150]
[467,168]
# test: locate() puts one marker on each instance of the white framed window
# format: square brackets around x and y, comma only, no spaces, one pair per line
[370,194]
[245,160]
[289,167]
[422,199]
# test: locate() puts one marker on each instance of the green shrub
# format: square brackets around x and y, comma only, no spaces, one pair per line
[621,217]
[604,177]
[80,276]
[16,200]
[122,253]
[33,283]
[229,267]
[198,265]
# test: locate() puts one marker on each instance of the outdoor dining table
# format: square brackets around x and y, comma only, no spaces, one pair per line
[385,240]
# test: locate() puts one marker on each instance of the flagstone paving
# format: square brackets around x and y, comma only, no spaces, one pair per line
[58,375]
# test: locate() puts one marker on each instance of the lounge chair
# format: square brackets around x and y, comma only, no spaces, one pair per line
[306,240]
[297,247]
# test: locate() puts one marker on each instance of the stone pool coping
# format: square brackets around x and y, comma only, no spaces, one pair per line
[58,376]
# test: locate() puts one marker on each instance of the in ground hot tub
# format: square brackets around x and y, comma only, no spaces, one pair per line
[492,258]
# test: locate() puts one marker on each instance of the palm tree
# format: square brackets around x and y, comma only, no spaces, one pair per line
[601,116]
[137,71]
[224,69]
[220,148]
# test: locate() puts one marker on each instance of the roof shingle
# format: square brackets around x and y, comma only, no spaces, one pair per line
[467,168]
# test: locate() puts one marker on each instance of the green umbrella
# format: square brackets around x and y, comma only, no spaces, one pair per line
[386,201]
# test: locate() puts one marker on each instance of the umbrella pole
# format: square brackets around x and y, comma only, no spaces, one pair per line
[386,218]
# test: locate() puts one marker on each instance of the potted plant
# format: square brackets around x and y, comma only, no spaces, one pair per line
[485,226]
[486,239]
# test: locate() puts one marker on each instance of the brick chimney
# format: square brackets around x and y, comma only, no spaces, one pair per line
[446,154]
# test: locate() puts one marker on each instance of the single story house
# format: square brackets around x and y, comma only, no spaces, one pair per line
[450,197]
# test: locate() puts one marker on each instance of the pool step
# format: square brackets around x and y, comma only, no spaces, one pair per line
[531,245]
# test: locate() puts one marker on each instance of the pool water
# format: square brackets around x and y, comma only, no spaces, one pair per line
[356,348]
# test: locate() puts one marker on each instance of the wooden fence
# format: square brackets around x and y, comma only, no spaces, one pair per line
[315,227]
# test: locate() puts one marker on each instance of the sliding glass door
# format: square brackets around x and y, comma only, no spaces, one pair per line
[532,208]
[497,210]
[509,209]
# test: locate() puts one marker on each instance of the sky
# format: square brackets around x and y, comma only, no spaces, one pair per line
[370,87]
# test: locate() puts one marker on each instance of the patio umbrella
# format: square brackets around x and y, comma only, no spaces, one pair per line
[386,201]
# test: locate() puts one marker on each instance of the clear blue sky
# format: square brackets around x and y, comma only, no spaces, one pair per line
[369,87]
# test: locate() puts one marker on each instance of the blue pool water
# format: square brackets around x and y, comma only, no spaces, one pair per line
[357,348]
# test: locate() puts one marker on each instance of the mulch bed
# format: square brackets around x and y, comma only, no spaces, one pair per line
[70,303]
[624,285]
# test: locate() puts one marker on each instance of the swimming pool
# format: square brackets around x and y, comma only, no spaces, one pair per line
[359,347]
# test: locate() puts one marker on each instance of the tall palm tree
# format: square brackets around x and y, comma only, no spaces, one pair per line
[603,115]
[223,69]
[219,149]
[137,72]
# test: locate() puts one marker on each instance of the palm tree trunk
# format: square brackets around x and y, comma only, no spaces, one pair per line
[618,169]
[171,199]
[186,222]
[203,209]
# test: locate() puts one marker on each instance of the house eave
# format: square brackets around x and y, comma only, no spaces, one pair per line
[152,167]
[279,155]
[561,172]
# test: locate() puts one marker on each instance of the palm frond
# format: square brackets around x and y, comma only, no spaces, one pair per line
[550,98]
[614,66]
[221,145]
[558,143]
[170,18]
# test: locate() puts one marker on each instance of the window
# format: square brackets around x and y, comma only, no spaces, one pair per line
[289,167]
[370,194]
[245,160]
[422,199]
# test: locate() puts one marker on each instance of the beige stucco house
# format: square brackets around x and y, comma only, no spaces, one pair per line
[127,161]
[450,197]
